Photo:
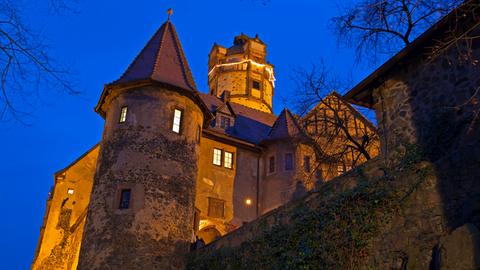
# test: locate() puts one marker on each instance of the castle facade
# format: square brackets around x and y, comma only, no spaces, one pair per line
[175,163]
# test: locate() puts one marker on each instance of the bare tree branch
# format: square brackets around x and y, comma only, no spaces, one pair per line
[27,67]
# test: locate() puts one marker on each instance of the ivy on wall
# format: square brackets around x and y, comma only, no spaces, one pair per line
[330,231]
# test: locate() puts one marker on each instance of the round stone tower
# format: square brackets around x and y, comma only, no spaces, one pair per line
[142,204]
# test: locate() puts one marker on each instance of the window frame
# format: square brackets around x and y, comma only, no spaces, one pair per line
[220,158]
[180,123]
[271,164]
[225,159]
[256,82]
[123,114]
[210,204]
[121,203]
[285,162]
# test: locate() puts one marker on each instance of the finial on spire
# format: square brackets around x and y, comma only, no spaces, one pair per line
[169,12]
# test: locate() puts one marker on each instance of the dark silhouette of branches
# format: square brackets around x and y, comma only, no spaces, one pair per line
[26,66]
[339,133]
[383,27]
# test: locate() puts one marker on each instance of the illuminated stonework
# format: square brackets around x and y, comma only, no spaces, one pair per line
[243,71]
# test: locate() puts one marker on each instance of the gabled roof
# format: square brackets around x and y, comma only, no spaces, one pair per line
[286,127]
[460,19]
[161,60]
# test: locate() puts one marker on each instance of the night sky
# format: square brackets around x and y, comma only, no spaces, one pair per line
[98,42]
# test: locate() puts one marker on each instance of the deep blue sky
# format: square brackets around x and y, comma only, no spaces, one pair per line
[99,42]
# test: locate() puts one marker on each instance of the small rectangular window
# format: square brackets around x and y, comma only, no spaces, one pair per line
[271,164]
[228,160]
[217,157]
[123,114]
[288,162]
[125,198]
[216,208]
[306,163]
[224,122]
[70,191]
[177,120]
[256,85]
[340,169]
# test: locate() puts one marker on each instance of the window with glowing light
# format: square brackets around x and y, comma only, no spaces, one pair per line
[228,160]
[177,120]
[340,169]
[125,196]
[123,114]
[217,157]
[70,191]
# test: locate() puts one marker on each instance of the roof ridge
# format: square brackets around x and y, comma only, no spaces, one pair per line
[138,55]
[155,65]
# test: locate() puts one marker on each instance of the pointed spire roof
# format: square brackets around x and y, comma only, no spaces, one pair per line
[161,60]
[285,127]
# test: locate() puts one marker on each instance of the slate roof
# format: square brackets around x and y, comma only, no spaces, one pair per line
[285,127]
[162,60]
[250,125]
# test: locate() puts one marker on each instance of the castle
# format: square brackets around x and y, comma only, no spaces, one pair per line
[175,163]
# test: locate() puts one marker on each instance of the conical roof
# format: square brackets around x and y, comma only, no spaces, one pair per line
[285,127]
[161,60]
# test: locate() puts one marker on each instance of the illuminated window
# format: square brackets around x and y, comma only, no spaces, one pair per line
[271,164]
[177,120]
[288,161]
[225,122]
[340,169]
[123,114]
[306,163]
[228,160]
[216,208]
[348,168]
[125,198]
[248,201]
[217,157]
[256,85]
[70,191]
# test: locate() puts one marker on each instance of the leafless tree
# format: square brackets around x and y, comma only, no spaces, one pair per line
[383,27]
[339,134]
[27,68]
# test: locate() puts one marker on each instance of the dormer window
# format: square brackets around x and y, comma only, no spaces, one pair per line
[225,122]
[123,114]
[177,120]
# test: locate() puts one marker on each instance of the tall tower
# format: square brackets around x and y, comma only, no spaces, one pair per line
[142,204]
[243,71]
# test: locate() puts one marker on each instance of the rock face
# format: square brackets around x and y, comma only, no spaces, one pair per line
[158,167]
[461,249]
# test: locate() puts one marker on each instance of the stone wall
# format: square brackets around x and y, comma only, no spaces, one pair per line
[374,217]
[433,104]
[62,228]
[159,166]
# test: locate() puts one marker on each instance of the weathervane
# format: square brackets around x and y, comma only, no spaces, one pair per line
[169,12]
